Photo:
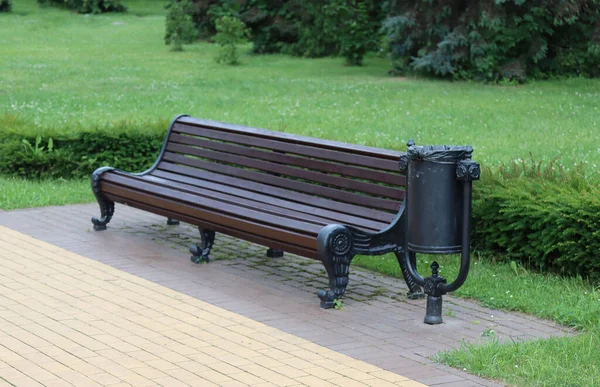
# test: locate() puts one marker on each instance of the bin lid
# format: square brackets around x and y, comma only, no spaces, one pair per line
[439,153]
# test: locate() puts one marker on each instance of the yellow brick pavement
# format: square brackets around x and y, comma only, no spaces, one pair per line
[67,320]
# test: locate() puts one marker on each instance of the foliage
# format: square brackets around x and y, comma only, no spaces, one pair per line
[180,28]
[548,218]
[311,28]
[231,31]
[5,6]
[351,28]
[87,6]
[492,40]
[73,155]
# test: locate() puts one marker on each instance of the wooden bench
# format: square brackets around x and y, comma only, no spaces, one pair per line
[319,199]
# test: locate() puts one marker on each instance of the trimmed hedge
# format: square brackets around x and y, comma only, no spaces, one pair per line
[131,147]
[548,218]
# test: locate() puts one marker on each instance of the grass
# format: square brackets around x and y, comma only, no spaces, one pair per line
[18,193]
[62,70]
[559,362]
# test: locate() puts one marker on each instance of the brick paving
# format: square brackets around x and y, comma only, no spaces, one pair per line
[69,320]
[377,325]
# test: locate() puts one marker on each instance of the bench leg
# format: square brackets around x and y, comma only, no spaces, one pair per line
[274,253]
[201,251]
[335,247]
[414,290]
[107,207]
[172,222]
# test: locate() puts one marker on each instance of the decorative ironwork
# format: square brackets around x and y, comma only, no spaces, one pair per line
[334,243]
[200,251]
[338,244]
[414,290]
[403,164]
[107,207]
[468,170]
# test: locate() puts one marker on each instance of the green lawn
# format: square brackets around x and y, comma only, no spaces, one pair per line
[62,70]
[18,193]
[59,69]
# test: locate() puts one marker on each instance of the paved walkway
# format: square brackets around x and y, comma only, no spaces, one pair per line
[252,318]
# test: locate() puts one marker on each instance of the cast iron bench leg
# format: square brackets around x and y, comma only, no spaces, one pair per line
[107,207]
[414,290]
[201,251]
[274,253]
[172,222]
[335,246]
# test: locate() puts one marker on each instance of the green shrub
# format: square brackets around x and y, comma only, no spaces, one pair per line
[492,40]
[312,28]
[77,153]
[5,6]
[180,28]
[231,31]
[547,218]
[87,6]
[355,35]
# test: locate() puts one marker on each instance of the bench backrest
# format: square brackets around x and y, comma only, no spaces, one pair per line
[312,168]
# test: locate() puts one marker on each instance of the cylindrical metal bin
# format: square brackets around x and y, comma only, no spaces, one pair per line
[434,199]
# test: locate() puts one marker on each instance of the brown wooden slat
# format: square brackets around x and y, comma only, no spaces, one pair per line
[299,209]
[342,155]
[276,232]
[242,201]
[288,248]
[332,193]
[230,182]
[338,181]
[287,159]
[293,138]
[233,210]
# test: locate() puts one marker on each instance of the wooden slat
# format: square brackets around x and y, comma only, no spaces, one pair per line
[287,159]
[167,170]
[329,216]
[284,170]
[248,225]
[268,206]
[310,149]
[232,210]
[332,193]
[184,217]
[292,138]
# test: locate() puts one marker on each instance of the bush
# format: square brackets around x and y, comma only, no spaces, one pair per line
[492,40]
[5,6]
[76,154]
[87,6]
[231,31]
[180,28]
[548,218]
[312,28]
